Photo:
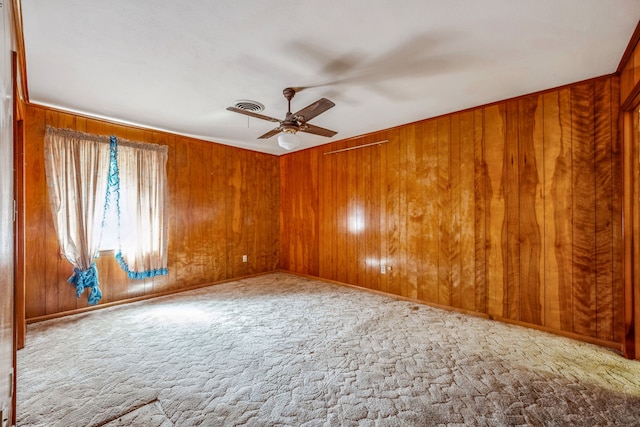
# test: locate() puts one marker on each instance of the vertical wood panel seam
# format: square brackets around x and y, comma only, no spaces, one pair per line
[611,190]
[518,245]
[572,207]
[611,213]
[437,204]
[455,216]
[544,211]
[484,223]
[595,215]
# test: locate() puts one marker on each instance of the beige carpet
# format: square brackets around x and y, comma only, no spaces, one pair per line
[284,350]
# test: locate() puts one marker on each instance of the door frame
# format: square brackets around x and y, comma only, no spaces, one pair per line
[630,133]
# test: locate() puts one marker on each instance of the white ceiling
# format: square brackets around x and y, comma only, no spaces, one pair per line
[176,65]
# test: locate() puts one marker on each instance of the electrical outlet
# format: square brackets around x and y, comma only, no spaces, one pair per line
[244,258]
[383,269]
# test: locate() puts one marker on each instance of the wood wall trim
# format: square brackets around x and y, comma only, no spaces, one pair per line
[22,60]
[629,230]
[629,71]
[632,99]
[628,52]
[18,191]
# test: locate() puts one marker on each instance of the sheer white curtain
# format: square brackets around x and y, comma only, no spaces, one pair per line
[85,173]
[144,213]
[77,170]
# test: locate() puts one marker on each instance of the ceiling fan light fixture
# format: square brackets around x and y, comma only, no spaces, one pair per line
[288,139]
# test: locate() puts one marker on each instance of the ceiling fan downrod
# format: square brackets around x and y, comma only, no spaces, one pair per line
[289,93]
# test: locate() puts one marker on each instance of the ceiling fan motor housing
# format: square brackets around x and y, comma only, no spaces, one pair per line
[289,93]
[290,127]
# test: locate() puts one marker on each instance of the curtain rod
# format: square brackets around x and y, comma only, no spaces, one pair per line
[356,147]
[105,139]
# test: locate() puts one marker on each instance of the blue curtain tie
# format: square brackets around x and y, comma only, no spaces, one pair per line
[87,279]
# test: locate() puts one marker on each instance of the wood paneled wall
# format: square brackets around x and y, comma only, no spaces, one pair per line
[511,210]
[630,100]
[223,201]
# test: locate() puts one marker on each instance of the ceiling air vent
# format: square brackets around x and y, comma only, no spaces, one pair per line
[248,105]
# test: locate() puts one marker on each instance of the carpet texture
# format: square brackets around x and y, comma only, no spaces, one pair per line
[283,350]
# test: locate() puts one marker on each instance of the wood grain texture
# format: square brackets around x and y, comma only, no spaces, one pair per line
[455,287]
[603,262]
[19,255]
[325,213]
[384,278]
[631,201]
[444,211]
[223,204]
[562,197]
[363,176]
[36,205]
[394,221]
[511,225]
[467,212]
[617,207]
[414,211]
[481,210]
[480,196]
[632,308]
[495,154]
[538,245]
[365,246]
[353,226]
[430,235]
[236,203]
[342,215]
[584,209]
[285,240]
[553,164]
[529,189]
[374,237]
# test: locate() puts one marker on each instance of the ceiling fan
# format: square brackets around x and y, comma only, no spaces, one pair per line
[293,122]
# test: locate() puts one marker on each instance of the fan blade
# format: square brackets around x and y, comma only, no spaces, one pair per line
[317,130]
[271,133]
[315,109]
[252,114]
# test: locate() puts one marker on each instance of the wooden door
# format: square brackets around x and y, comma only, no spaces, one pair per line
[7,347]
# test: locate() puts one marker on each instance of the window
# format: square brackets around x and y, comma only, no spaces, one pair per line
[107,194]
